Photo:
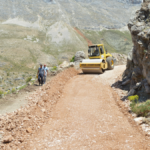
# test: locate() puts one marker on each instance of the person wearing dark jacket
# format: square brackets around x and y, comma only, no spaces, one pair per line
[41,74]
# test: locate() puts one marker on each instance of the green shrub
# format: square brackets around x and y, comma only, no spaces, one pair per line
[133,98]
[8,92]
[1,93]
[28,79]
[60,62]
[54,68]
[23,75]
[141,109]
[5,93]
[13,90]
[72,59]
[8,74]
[22,87]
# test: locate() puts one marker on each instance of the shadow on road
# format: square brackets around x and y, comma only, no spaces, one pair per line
[141,93]
[118,85]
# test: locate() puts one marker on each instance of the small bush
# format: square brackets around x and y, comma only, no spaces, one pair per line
[1,93]
[8,74]
[72,59]
[8,92]
[22,87]
[133,98]
[60,62]
[13,90]
[141,109]
[5,93]
[23,75]
[28,79]
[54,68]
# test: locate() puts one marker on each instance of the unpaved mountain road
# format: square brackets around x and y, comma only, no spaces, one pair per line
[87,117]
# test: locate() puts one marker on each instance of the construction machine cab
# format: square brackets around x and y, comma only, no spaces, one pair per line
[96,52]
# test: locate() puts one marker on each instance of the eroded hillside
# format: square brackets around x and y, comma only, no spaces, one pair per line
[83,14]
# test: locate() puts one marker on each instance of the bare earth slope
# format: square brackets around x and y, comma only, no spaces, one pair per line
[87,117]
[84,14]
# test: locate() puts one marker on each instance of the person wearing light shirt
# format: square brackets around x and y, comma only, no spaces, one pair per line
[46,73]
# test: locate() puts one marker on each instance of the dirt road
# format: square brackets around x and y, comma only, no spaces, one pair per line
[87,117]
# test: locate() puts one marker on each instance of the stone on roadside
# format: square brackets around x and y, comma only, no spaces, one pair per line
[59,70]
[65,64]
[131,92]
[21,140]
[7,139]
[25,119]
[29,83]
[146,120]
[139,120]
[148,115]
[29,130]
[126,82]
[53,73]
[79,56]
[43,110]
[72,64]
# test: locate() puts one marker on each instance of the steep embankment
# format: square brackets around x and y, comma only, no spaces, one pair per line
[138,67]
[24,122]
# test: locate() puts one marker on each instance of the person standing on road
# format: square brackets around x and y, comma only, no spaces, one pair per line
[46,73]
[41,74]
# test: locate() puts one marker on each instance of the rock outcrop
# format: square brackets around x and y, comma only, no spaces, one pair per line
[138,61]
[121,59]
[79,56]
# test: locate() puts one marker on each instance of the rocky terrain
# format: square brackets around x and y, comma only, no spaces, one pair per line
[96,13]
[137,72]
[52,31]
[61,114]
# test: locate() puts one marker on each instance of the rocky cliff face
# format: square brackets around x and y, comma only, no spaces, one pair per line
[138,65]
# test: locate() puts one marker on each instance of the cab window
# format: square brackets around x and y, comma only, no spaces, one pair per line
[93,51]
[101,50]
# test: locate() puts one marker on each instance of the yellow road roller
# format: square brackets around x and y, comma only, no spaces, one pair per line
[99,60]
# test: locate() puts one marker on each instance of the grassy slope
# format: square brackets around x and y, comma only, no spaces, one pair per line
[20,58]
[114,40]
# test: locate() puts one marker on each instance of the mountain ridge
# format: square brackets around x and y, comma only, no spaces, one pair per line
[83,14]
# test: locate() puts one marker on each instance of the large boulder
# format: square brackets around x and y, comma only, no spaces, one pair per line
[79,56]
[65,64]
